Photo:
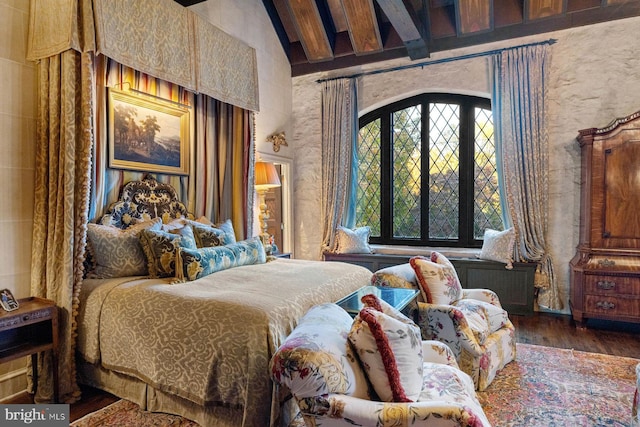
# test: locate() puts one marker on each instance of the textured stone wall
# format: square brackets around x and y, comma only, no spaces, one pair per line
[595,77]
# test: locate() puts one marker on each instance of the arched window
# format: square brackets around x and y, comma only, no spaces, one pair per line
[427,171]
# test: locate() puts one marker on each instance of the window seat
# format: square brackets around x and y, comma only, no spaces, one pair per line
[426,251]
[514,287]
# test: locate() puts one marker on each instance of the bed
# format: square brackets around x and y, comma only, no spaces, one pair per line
[198,348]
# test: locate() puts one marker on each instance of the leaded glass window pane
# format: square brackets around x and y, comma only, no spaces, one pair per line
[430,159]
[487,210]
[406,151]
[368,189]
[444,170]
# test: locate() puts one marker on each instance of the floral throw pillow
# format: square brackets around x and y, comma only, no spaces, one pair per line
[389,346]
[397,276]
[498,246]
[316,358]
[354,241]
[196,263]
[437,279]
[160,248]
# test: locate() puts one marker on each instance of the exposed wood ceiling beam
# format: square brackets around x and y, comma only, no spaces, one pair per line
[538,9]
[313,28]
[404,24]
[474,16]
[363,26]
[378,30]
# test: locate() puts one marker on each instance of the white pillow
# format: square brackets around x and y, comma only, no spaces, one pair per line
[498,246]
[354,241]
[389,346]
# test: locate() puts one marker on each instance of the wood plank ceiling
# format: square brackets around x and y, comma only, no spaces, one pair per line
[324,35]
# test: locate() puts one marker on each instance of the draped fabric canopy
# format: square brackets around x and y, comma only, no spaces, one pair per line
[64,36]
[221,151]
[157,37]
[63,158]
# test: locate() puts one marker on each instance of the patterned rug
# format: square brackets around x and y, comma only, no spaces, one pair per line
[546,386]
[127,414]
[543,387]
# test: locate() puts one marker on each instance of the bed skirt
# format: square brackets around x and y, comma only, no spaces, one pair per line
[154,400]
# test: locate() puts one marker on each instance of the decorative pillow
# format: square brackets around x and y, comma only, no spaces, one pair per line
[196,263]
[117,252]
[316,358]
[375,302]
[498,246]
[390,350]
[397,276]
[225,226]
[354,241]
[437,278]
[160,248]
[207,236]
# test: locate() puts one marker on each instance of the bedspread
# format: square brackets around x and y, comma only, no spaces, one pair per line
[209,340]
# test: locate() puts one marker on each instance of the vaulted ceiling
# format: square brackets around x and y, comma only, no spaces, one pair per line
[324,35]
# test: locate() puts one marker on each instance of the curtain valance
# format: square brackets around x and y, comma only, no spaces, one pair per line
[158,37]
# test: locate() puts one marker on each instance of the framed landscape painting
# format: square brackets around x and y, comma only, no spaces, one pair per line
[147,135]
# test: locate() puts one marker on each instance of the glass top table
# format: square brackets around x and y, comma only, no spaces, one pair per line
[399,298]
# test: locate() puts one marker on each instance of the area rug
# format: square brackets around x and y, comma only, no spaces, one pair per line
[547,386]
[127,414]
[543,387]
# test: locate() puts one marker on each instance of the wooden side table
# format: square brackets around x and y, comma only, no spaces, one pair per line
[30,329]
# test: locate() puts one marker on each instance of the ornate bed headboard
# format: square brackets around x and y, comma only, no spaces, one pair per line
[143,200]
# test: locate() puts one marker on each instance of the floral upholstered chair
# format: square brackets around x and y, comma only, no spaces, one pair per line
[470,321]
[320,365]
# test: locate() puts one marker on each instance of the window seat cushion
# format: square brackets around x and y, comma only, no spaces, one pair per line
[472,253]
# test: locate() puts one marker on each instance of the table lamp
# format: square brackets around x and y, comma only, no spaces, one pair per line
[266,177]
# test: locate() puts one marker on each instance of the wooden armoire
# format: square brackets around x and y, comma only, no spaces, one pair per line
[605,272]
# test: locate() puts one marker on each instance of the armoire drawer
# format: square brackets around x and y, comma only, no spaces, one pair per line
[611,305]
[612,285]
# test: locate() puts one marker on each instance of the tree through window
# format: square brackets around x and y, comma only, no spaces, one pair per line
[451,138]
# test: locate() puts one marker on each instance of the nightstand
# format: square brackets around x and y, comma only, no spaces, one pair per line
[28,330]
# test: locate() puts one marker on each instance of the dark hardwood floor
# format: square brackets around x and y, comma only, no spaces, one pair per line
[552,330]
[555,330]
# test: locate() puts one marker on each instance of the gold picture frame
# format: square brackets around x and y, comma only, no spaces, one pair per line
[147,134]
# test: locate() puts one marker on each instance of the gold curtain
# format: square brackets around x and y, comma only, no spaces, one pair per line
[223,162]
[62,179]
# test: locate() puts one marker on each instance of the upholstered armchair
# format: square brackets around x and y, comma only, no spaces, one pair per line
[318,364]
[470,321]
